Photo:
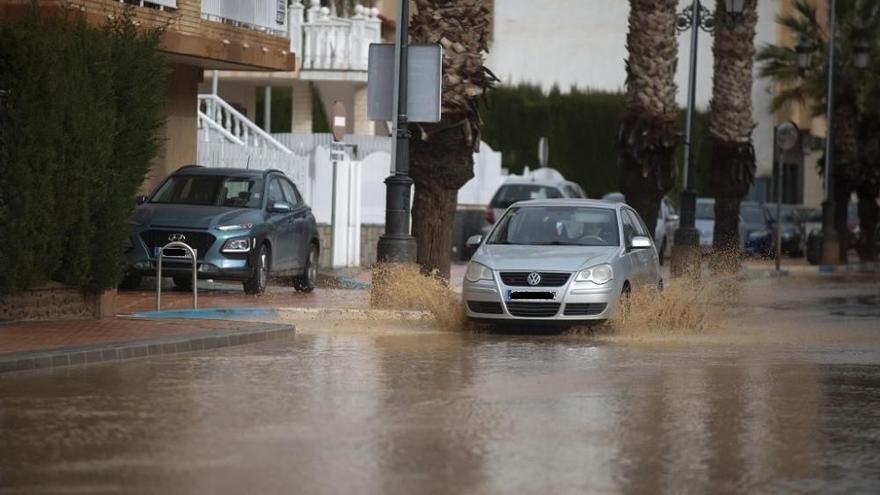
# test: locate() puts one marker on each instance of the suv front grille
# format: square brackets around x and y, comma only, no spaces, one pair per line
[533,310]
[548,279]
[200,241]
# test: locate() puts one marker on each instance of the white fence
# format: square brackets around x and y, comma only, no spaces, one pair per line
[324,42]
[262,15]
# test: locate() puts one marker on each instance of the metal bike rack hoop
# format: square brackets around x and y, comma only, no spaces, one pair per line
[195,272]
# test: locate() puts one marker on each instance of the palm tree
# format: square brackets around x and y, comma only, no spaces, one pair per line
[857,20]
[648,135]
[441,159]
[730,128]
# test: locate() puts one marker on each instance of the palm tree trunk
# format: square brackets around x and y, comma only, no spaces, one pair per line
[442,158]
[648,136]
[730,131]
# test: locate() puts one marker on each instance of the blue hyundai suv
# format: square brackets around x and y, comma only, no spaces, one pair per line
[244,225]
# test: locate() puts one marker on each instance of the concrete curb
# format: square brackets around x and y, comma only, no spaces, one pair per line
[288,314]
[119,351]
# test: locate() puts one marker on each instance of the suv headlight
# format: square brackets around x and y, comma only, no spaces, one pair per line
[237,245]
[599,274]
[244,226]
[476,272]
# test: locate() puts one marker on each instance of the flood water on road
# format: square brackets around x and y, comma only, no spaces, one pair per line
[411,410]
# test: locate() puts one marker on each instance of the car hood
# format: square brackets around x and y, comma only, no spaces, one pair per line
[549,258]
[194,216]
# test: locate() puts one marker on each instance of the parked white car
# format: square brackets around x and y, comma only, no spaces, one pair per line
[543,183]
[559,260]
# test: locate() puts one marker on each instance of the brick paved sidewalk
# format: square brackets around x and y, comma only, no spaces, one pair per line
[32,345]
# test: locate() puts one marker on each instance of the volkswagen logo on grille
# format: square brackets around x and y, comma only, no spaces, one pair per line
[176,237]
[534,279]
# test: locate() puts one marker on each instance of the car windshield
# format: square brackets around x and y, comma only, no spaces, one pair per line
[752,214]
[557,226]
[512,193]
[211,190]
[705,210]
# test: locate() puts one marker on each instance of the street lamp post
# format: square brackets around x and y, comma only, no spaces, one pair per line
[686,252]
[397,245]
[861,58]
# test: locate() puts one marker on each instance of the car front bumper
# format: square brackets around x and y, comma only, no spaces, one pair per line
[574,301]
[211,265]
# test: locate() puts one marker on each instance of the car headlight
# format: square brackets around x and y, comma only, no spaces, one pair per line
[599,274]
[237,245]
[243,226]
[476,272]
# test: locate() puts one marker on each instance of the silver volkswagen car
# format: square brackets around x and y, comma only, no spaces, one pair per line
[563,259]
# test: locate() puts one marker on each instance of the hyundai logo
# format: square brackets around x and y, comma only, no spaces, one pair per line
[176,237]
[533,279]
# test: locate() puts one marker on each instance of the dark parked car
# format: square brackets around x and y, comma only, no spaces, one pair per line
[244,224]
[756,223]
[793,236]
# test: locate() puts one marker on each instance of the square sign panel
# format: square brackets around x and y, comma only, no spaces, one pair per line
[424,86]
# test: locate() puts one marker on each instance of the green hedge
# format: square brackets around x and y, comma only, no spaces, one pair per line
[80,124]
[581,129]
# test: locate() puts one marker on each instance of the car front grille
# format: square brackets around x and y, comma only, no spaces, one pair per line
[548,279]
[584,309]
[533,309]
[200,241]
[485,307]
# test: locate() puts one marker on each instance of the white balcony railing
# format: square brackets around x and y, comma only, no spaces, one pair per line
[215,115]
[162,4]
[261,15]
[323,42]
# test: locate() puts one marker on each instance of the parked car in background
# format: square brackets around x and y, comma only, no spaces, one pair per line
[561,261]
[704,221]
[543,183]
[791,230]
[756,229]
[245,225]
[664,230]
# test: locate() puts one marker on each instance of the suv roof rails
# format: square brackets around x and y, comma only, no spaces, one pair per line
[190,166]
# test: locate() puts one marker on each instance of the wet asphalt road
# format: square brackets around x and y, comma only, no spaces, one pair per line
[402,410]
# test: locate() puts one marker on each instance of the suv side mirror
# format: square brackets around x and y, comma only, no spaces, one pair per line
[640,242]
[474,241]
[142,199]
[280,207]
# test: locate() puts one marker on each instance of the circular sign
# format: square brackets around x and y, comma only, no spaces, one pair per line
[787,135]
[338,121]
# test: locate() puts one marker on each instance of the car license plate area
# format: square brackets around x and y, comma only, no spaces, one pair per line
[170,253]
[516,295]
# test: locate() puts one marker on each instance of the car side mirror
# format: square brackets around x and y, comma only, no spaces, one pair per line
[474,241]
[142,199]
[640,242]
[280,207]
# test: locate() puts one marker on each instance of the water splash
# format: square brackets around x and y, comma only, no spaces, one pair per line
[404,286]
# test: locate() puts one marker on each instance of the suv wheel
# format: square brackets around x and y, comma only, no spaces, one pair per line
[306,281]
[183,282]
[257,283]
[131,281]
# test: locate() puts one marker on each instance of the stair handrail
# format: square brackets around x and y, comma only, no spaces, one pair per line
[206,120]
[242,121]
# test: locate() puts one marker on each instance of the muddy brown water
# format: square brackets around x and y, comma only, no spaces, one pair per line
[783,396]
